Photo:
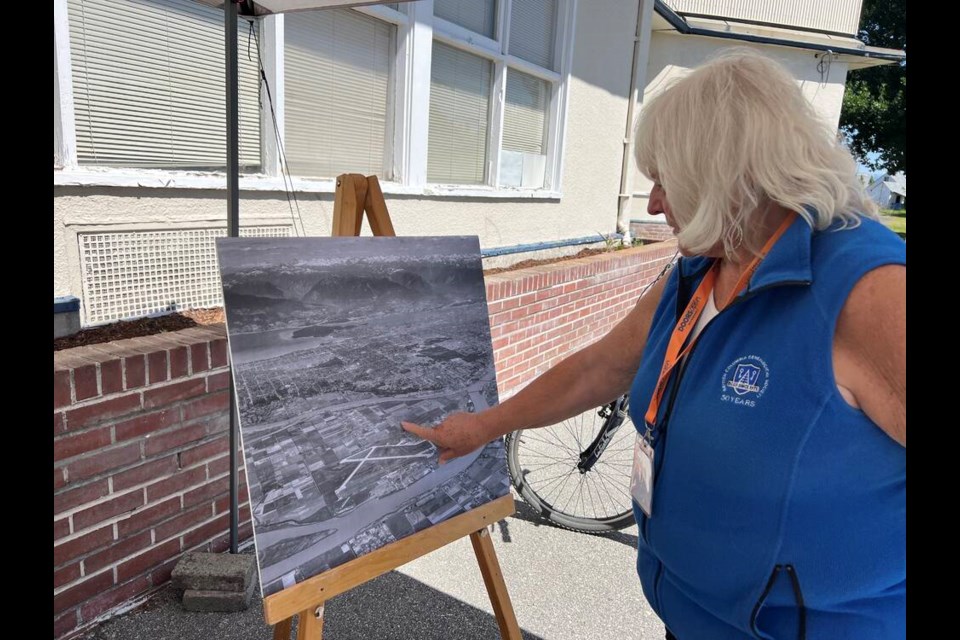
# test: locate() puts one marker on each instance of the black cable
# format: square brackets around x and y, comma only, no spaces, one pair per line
[284,167]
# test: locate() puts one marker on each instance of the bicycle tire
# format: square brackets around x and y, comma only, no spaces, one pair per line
[531,453]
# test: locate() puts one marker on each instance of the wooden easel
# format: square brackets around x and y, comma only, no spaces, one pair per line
[356,194]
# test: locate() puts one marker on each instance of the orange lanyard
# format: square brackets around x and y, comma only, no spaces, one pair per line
[688,320]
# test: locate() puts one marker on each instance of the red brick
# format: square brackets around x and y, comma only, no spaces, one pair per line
[114,597]
[222,505]
[67,551]
[98,463]
[179,362]
[216,424]
[67,574]
[220,543]
[178,437]
[61,528]
[124,548]
[183,522]
[157,367]
[64,624]
[219,465]
[80,496]
[205,532]
[144,473]
[135,371]
[102,411]
[140,520]
[108,509]
[208,404]
[207,450]
[111,377]
[59,424]
[147,423]
[177,482]
[161,575]
[218,353]
[173,392]
[58,478]
[85,382]
[145,561]
[207,492]
[198,357]
[218,381]
[61,388]
[74,445]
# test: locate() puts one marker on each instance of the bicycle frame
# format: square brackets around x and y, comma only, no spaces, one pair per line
[613,415]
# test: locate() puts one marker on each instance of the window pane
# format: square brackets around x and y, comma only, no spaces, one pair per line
[533,31]
[337,82]
[524,154]
[477,15]
[148,81]
[459,116]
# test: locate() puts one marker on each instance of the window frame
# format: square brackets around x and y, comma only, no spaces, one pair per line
[408,129]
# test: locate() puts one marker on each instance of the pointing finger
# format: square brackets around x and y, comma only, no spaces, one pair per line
[417,430]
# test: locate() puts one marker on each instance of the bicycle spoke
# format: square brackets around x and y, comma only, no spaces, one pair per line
[566,425]
[560,488]
[559,441]
[552,443]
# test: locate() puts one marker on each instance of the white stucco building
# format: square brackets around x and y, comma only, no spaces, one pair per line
[505,119]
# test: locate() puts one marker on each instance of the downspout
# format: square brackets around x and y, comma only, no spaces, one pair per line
[638,73]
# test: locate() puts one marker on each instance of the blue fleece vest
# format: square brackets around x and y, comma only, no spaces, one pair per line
[779,511]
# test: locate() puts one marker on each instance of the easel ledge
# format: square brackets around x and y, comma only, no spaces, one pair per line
[304,595]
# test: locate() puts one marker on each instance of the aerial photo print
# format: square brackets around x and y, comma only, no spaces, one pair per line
[333,342]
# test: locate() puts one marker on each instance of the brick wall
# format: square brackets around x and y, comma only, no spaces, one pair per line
[140,427]
[140,473]
[542,314]
[655,231]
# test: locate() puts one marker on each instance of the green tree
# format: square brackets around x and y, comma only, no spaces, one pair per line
[874,115]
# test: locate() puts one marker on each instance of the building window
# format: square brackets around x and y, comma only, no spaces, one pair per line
[338,93]
[459,116]
[478,53]
[469,95]
[148,85]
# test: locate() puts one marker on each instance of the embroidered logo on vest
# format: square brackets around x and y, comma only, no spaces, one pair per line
[744,381]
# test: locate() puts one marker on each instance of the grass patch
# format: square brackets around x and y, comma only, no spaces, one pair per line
[895,219]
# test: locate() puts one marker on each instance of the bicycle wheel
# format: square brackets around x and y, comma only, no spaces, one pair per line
[543,467]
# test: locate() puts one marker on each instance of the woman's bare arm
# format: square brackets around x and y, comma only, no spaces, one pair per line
[589,378]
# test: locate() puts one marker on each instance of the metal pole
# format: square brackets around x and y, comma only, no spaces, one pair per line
[233,230]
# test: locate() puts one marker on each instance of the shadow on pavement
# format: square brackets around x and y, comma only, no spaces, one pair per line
[391,607]
[528,514]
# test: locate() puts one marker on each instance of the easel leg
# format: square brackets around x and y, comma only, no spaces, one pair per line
[310,625]
[281,631]
[496,587]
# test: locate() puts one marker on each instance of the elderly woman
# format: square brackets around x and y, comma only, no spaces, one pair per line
[767,374]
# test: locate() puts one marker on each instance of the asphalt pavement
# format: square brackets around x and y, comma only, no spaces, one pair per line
[564,586]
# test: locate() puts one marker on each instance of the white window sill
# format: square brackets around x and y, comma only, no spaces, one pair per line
[159,179]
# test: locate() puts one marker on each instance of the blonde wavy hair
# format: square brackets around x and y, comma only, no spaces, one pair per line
[736,135]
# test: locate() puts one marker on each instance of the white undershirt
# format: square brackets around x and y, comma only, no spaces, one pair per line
[709,311]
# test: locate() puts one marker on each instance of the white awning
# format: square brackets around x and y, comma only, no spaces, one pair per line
[847,49]
[266,7]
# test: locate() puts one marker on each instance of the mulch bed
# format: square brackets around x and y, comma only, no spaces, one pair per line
[140,327]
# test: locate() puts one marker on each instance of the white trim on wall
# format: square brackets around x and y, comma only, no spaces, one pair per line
[64,130]
[271,35]
[160,179]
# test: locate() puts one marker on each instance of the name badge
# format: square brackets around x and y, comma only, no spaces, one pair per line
[641,482]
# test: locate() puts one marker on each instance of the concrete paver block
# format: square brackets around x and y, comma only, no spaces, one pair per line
[215,572]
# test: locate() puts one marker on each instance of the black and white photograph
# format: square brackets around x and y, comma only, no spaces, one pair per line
[334,342]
